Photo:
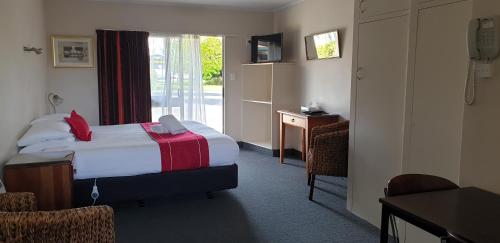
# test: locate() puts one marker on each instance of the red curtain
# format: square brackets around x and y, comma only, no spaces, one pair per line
[123,75]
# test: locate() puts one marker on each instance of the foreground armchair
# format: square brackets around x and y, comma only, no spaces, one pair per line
[327,152]
[20,222]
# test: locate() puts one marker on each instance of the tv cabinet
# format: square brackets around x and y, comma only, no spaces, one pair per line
[266,88]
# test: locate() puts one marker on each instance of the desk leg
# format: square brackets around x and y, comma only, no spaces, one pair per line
[282,139]
[307,133]
[304,144]
[384,226]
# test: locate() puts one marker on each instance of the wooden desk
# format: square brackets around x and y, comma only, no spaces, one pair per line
[48,175]
[470,213]
[306,122]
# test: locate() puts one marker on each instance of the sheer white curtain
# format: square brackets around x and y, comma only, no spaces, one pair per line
[180,86]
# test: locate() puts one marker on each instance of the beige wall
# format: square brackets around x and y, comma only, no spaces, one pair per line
[480,146]
[326,82]
[22,74]
[80,17]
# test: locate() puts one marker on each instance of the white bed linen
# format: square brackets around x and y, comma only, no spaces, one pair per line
[127,150]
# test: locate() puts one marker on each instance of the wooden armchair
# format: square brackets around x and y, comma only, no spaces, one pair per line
[20,222]
[327,152]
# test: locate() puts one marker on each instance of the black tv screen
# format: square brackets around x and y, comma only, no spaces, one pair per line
[267,48]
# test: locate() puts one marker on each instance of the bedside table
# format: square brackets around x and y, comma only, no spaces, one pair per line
[48,175]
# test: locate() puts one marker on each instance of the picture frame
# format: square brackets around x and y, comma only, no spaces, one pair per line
[72,51]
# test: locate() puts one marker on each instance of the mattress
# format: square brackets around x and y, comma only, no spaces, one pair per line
[127,150]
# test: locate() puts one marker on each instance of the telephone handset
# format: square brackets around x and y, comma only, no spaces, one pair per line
[483,44]
[483,38]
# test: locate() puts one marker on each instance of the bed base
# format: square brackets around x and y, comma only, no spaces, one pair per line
[132,188]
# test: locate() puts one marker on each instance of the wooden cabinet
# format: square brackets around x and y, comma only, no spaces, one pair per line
[266,88]
[48,175]
[370,8]
[377,129]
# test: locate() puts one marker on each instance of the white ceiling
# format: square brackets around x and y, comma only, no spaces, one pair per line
[262,5]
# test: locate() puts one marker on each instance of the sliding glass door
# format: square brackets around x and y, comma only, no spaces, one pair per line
[186,78]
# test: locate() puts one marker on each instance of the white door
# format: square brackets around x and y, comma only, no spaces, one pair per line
[369,8]
[379,104]
[438,101]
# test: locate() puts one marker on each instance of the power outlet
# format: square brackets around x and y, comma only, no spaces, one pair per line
[484,70]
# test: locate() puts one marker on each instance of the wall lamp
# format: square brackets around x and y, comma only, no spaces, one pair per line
[55,100]
[38,51]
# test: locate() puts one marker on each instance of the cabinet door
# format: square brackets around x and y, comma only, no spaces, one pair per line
[382,58]
[439,83]
[369,8]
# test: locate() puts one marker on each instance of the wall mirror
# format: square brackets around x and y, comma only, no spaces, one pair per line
[323,45]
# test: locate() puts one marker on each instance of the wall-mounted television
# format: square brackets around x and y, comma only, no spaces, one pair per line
[267,48]
[323,45]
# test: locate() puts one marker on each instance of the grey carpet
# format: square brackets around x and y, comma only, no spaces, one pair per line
[269,205]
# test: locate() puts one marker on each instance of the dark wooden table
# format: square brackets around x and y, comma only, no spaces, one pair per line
[470,213]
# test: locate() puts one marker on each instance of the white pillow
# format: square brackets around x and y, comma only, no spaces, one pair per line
[51,117]
[43,131]
[59,145]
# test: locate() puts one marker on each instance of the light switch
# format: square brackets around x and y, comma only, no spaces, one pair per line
[232,76]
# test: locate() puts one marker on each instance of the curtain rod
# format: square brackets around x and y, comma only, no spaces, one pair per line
[161,33]
[202,34]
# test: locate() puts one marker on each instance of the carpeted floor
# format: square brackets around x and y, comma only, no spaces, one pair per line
[269,205]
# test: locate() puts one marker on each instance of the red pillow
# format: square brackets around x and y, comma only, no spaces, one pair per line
[79,127]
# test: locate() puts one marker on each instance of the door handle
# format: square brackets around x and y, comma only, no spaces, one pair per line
[360,73]
[362,7]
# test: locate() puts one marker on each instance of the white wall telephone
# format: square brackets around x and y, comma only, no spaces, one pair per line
[483,38]
[483,44]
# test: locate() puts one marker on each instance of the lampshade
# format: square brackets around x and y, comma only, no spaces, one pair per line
[55,100]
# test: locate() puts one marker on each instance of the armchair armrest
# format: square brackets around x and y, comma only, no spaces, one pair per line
[330,154]
[343,125]
[89,224]
[17,202]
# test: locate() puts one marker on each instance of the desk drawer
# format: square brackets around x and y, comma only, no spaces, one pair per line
[294,121]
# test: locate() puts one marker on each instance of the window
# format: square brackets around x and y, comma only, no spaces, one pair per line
[186,78]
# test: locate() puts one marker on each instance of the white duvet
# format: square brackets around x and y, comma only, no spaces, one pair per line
[127,150]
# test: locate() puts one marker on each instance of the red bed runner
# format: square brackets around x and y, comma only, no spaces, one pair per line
[180,152]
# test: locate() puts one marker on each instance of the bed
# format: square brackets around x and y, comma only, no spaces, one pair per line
[126,164]
[127,150]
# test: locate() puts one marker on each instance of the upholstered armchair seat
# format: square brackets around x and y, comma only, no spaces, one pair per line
[328,152]
[321,160]
[20,222]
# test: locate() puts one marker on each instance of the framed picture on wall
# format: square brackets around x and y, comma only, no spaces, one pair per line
[72,51]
